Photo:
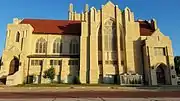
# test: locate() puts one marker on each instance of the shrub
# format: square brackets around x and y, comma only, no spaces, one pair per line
[50,74]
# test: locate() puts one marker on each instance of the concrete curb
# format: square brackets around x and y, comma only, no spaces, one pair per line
[69,89]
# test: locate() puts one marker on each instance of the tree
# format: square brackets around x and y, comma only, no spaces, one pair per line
[177,64]
[50,74]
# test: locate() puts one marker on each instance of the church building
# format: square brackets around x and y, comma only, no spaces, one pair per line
[105,46]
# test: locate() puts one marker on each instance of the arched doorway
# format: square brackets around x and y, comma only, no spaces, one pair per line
[160,74]
[14,66]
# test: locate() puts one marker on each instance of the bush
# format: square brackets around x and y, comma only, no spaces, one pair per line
[50,74]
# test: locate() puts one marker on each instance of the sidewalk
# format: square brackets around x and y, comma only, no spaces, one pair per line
[87,88]
[62,89]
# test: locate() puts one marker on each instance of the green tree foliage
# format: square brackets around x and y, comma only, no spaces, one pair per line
[177,64]
[50,74]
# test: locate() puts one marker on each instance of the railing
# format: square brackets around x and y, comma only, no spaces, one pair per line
[178,80]
[12,79]
[128,79]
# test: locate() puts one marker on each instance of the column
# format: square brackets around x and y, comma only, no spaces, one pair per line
[84,53]
[65,71]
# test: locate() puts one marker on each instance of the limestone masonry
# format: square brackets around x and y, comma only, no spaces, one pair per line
[95,46]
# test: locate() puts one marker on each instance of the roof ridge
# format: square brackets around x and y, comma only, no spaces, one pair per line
[51,19]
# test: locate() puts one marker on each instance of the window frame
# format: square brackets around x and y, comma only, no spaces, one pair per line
[35,62]
[55,62]
[159,51]
[57,46]
[110,40]
[17,37]
[41,46]
[74,47]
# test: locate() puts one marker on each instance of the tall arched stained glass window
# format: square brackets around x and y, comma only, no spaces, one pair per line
[110,41]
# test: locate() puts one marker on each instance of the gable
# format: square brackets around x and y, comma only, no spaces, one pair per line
[157,33]
[109,10]
[109,4]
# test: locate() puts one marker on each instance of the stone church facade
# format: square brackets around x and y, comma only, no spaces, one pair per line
[95,46]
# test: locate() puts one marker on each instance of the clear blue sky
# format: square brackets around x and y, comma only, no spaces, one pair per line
[166,12]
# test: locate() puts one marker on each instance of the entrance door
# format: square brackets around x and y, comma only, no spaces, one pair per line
[14,66]
[160,75]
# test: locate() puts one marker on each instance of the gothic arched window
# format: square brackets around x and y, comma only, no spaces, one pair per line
[57,46]
[74,47]
[110,41]
[41,46]
[17,37]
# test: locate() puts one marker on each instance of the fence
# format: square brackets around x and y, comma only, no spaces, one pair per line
[178,80]
[128,79]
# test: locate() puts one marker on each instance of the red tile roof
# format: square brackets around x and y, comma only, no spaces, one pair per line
[54,26]
[146,28]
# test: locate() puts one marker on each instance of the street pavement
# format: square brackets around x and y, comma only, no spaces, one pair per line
[91,94]
[95,99]
[88,94]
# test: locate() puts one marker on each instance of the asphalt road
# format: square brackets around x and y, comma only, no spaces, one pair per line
[91,94]
[95,99]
